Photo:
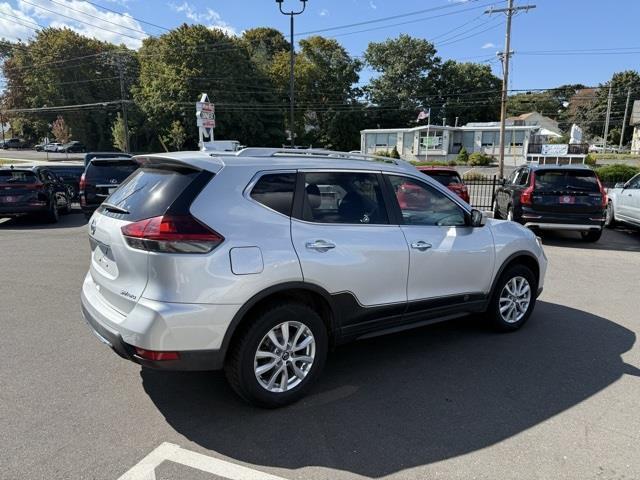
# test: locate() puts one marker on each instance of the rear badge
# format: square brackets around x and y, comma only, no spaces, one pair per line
[124,293]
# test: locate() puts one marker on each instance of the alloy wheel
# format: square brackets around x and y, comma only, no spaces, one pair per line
[284,356]
[515,299]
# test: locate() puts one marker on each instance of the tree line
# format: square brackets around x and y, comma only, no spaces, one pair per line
[60,74]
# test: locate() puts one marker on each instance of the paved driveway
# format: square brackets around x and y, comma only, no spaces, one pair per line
[558,399]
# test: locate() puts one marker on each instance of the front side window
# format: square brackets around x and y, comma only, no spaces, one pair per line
[634,182]
[421,204]
[275,191]
[343,197]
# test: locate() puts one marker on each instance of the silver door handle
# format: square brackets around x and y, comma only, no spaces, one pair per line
[420,245]
[320,245]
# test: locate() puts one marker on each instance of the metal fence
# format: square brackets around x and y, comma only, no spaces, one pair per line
[482,191]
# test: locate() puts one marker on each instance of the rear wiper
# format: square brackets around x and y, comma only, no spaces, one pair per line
[114,208]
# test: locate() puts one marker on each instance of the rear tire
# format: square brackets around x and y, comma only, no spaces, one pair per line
[591,235]
[278,364]
[513,299]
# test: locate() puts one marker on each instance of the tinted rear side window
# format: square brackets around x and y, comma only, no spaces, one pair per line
[106,172]
[150,192]
[275,191]
[562,180]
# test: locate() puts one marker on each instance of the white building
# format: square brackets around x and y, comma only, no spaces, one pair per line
[635,121]
[443,143]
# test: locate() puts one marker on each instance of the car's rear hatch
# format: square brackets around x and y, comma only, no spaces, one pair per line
[16,186]
[103,176]
[567,191]
[119,271]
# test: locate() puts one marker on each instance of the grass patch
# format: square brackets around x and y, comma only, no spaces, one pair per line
[616,156]
[6,161]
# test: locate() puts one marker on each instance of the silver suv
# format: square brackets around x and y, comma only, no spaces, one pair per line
[261,261]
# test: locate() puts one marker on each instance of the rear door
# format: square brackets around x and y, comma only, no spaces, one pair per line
[344,239]
[119,271]
[566,191]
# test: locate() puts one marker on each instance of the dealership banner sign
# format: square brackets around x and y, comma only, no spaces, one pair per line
[555,149]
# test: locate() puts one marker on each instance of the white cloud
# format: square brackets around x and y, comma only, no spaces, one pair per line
[208,17]
[372,4]
[86,20]
[324,12]
[12,28]
[488,45]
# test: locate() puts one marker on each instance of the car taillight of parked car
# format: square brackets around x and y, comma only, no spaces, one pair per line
[81,186]
[527,194]
[603,193]
[171,234]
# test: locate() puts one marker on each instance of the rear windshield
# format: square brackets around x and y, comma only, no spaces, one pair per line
[17,176]
[150,192]
[563,180]
[445,178]
[105,171]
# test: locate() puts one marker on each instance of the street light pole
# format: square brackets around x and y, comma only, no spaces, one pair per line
[292,61]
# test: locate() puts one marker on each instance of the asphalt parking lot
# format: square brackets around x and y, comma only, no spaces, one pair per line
[558,399]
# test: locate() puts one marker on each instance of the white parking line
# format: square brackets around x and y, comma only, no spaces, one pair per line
[145,469]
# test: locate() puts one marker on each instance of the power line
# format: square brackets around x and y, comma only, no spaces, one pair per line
[99,18]
[121,13]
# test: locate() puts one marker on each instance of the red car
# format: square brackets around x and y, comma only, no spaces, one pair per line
[448,177]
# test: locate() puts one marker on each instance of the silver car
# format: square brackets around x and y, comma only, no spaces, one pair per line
[624,203]
[261,261]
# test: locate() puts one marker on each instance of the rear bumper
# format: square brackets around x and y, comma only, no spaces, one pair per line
[195,331]
[20,209]
[563,221]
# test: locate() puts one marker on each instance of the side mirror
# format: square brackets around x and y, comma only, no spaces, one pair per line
[619,185]
[477,218]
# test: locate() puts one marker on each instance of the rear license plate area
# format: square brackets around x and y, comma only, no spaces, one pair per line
[567,199]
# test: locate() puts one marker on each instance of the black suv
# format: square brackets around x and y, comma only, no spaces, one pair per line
[554,197]
[101,177]
[32,190]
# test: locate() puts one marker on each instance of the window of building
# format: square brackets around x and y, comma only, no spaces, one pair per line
[491,138]
[275,191]
[432,141]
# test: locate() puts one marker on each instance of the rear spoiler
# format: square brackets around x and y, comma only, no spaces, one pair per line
[108,161]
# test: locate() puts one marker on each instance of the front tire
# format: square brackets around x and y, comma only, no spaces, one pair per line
[278,356]
[513,299]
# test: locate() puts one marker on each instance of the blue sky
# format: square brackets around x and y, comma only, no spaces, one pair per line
[457,27]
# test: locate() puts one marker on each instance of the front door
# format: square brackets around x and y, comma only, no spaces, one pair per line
[629,201]
[447,258]
[345,242]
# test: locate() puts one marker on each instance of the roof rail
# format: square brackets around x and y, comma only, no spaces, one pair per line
[317,153]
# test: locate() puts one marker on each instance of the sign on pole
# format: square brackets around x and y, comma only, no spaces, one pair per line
[206,121]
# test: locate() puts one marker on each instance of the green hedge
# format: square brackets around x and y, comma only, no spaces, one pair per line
[480,159]
[616,173]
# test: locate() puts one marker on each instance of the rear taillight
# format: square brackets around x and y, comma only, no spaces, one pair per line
[34,186]
[527,194]
[155,355]
[83,182]
[603,192]
[171,234]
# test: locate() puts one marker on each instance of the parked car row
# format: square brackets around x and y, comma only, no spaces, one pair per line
[70,147]
[46,191]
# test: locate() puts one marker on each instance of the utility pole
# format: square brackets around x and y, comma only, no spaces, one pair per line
[292,61]
[123,101]
[510,11]
[624,120]
[606,121]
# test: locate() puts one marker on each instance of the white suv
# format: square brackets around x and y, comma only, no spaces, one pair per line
[261,261]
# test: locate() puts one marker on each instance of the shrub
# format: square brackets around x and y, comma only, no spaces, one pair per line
[480,159]
[470,176]
[394,153]
[463,156]
[616,173]
[590,159]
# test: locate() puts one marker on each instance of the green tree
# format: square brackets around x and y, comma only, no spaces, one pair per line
[469,91]
[263,44]
[175,136]
[61,67]
[552,103]
[592,116]
[118,134]
[324,75]
[406,67]
[175,68]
